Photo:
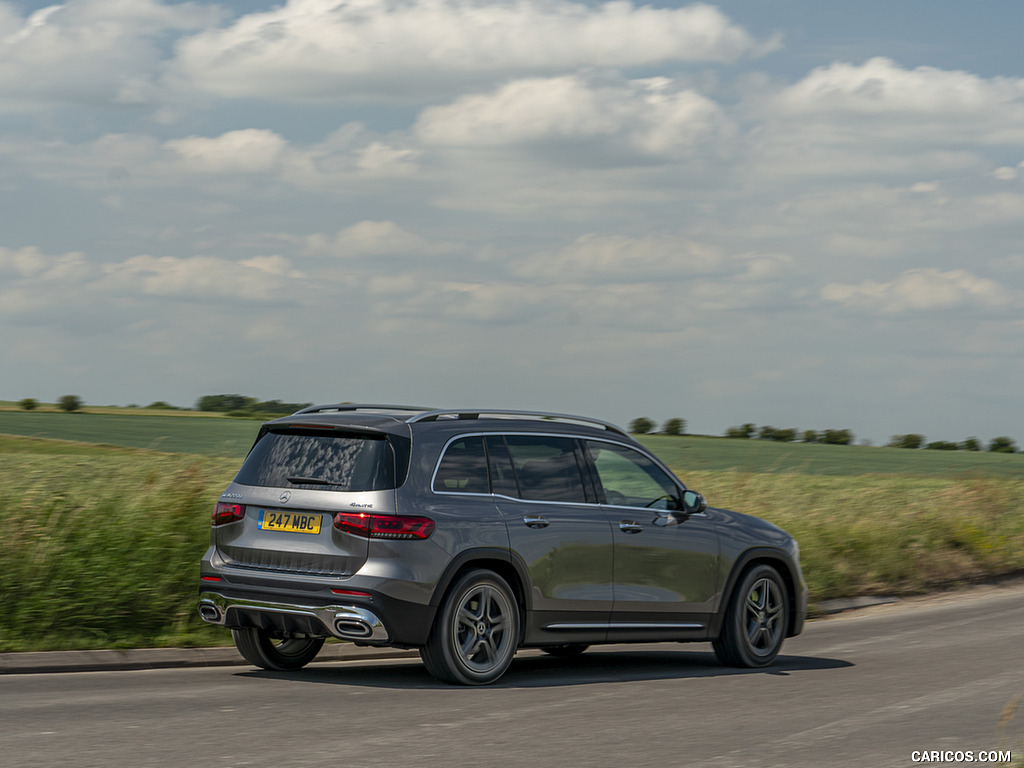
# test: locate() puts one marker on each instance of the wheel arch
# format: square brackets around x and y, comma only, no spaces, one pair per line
[751,559]
[500,561]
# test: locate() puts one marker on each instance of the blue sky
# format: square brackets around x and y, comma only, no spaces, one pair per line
[791,213]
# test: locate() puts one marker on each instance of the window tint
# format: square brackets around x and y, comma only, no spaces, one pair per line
[463,468]
[328,461]
[546,468]
[630,479]
[503,479]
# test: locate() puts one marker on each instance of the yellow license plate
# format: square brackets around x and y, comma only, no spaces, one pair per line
[293,522]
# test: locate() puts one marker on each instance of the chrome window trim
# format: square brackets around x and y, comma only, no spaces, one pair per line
[462,435]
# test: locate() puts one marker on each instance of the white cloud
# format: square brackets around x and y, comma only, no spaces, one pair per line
[880,86]
[878,119]
[88,51]
[882,102]
[22,262]
[246,151]
[350,153]
[372,238]
[198,277]
[343,160]
[322,49]
[648,117]
[920,290]
[31,262]
[617,258]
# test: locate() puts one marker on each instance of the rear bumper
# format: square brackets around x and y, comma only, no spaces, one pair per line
[284,606]
[346,622]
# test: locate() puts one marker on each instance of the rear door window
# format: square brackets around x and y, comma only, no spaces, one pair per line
[546,467]
[321,460]
[503,478]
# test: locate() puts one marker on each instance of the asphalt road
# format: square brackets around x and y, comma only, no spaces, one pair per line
[869,688]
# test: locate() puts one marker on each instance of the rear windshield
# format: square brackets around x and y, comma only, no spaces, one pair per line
[321,460]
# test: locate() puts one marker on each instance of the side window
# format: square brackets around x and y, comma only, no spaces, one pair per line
[463,468]
[630,479]
[503,479]
[546,468]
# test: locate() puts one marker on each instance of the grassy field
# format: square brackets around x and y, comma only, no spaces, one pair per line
[688,454]
[101,544]
[206,434]
[212,434]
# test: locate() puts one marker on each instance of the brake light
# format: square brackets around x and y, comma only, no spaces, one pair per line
[227,513]
[384,526]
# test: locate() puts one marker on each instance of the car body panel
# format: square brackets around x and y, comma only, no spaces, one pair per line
[582,572]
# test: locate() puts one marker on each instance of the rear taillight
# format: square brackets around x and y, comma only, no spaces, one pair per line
[227,513]
[384,526]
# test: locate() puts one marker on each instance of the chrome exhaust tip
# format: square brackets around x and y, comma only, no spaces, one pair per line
[209,612]
[352,628]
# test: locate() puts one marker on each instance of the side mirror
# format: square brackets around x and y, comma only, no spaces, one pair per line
[693,503]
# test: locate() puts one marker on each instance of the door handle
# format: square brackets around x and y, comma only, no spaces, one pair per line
[536,522]
[629,526]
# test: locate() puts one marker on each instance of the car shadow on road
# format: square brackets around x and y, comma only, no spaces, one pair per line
[532,669]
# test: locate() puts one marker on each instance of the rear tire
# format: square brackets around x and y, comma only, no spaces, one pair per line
[476,632]
[261,650]
[756,620]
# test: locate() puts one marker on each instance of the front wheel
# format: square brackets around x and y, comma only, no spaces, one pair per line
[755,621]
[261,650]
[476,632]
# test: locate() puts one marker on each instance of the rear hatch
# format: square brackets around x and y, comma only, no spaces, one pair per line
[295,479]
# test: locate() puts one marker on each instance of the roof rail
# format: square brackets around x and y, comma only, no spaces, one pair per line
[506,414]
[360,407]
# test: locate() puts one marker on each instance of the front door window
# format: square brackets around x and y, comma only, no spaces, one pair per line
[630,479]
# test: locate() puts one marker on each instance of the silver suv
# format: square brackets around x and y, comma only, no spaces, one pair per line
[471,534]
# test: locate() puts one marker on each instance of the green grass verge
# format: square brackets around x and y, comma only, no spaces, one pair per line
[101,545]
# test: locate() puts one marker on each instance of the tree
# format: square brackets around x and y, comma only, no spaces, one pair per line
[970,444]
[810,436]
[911,441]
[1002,445]
[836,437]
[641,426]
[28,404]
[674,427]
[942,445]
[744,432]
[225,403]
[245,405]
[70,403]
[778,435]
[277,407]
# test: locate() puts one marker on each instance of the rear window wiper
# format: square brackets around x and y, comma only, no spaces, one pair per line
[311,481]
